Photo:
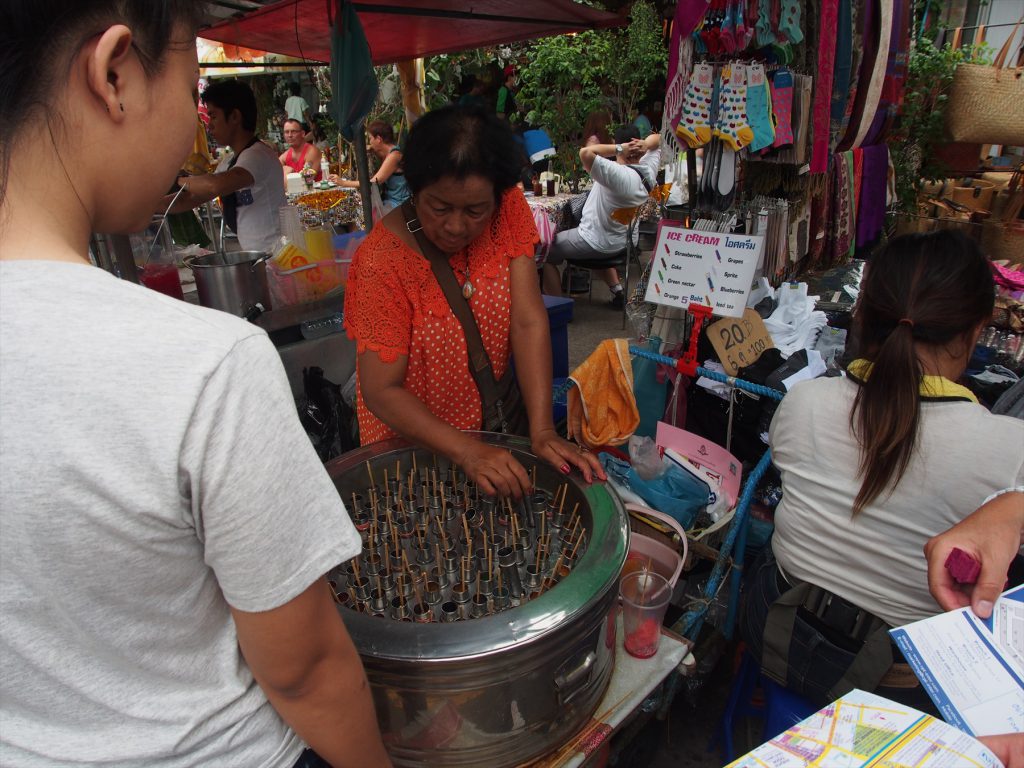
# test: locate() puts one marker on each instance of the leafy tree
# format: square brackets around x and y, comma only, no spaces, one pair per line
[634,57]
[561,84]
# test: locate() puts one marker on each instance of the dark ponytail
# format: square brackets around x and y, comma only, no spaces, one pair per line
[928,290]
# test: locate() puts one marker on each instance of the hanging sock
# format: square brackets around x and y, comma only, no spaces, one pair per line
[695,120]
[782,107]
[759,108]
[783,53]
[728,34]
[741,27]
[789,22]
[765,35]
[732,125]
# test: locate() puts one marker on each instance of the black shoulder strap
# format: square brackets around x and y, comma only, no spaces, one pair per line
[479,362]
[643,177]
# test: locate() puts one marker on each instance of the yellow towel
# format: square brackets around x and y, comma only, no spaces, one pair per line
[602,401]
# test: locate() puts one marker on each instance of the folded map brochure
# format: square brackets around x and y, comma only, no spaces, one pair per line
[861,730]
[973,669]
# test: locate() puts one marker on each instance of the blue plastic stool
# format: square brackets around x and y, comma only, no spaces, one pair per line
[780,709]
[783,709]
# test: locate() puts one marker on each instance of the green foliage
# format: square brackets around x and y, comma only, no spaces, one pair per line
[566,78]
[561,85]
[635,56]
[921,127]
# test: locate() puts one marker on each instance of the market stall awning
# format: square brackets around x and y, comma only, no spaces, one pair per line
[406,29]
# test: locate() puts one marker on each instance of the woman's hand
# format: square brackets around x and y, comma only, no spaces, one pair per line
[1009,748]
[494,470]
[563,455]
[992,536]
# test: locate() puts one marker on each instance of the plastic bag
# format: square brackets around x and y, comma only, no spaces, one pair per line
[325,415]
[675,492]
[646,458]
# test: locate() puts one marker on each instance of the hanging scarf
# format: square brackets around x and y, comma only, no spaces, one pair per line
[823,85]
[934,388]
[860,68]
[843,208]
[871,207]
[896,70]
[844,59]
[819,224]
[878,69]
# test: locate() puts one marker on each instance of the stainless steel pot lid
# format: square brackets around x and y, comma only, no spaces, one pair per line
[594,574]
[228,259]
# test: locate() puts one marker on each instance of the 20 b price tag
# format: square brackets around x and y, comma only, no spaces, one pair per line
[739,341]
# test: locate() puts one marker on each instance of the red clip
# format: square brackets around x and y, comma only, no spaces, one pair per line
[687,364]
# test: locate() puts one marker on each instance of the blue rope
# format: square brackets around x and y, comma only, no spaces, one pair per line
[756,389]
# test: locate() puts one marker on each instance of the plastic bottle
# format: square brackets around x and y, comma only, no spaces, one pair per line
[325,169]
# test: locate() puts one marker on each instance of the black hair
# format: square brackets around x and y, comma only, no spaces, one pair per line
[39,37]
[381,129]
[931,290]
[294,88]
[461,142]
[625,133]
[229,95]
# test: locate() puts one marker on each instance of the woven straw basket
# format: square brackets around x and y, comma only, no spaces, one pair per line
[986,103]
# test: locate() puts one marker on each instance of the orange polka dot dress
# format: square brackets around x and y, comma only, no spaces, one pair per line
[394,306]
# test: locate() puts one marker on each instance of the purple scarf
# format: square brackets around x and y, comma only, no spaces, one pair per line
[871,207]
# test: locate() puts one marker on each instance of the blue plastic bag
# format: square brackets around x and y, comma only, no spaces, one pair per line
[676,492]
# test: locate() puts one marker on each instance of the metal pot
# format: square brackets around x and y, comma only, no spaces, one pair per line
[234,282]
[506,688]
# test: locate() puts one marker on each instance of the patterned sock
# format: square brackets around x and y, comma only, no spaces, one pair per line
[694,123]
[782,106]
[741,26]
[732,125]
[728,34]
[751,23]
[789,22]
[783,53]
[765,36]
[759,108]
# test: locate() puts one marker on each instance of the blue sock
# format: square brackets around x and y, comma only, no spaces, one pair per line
[759,108]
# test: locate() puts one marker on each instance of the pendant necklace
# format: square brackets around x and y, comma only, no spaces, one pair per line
[467,287]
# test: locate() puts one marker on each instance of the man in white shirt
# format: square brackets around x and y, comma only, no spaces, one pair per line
[622,183]
[249,181]
[297,107]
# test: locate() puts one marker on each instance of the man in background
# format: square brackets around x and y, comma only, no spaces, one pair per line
[249,181]
[620,186]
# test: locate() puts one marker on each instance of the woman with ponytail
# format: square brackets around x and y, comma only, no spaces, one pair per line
[873,465]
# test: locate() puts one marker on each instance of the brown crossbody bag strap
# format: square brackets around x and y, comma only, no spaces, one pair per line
[492,391]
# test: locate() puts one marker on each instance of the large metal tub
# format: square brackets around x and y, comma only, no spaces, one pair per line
[504,689]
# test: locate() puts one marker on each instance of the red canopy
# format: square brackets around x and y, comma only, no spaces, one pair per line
[407,29]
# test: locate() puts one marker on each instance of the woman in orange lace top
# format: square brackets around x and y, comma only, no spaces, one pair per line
[413,376]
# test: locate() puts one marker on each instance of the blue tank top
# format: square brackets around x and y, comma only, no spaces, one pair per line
[396,189]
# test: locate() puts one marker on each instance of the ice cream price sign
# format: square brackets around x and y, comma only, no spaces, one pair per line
[710,268]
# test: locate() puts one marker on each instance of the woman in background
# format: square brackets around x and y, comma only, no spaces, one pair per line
[873,465]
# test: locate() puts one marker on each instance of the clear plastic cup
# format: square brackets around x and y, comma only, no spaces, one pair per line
[645,596]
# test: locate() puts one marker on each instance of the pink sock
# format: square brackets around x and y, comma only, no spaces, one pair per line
[782,106]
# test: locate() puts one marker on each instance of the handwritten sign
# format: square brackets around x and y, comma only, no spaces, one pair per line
[739,342]
[710,268]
